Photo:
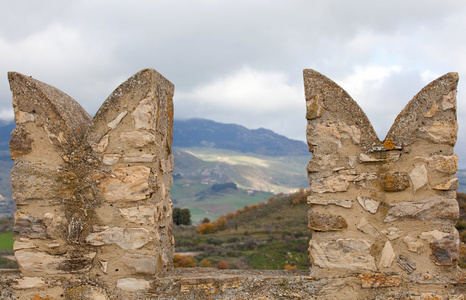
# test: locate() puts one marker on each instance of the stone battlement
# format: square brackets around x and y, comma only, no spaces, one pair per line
[94,217]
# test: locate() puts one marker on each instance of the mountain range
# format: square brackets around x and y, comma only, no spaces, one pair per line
[207,153]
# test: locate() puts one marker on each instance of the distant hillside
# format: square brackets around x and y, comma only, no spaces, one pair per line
[269,236]
[199,170]
[206,133]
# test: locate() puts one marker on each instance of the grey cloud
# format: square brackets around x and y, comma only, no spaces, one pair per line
[193,43]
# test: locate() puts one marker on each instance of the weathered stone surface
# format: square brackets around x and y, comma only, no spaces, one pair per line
[386,256]
[432,208]
[417,152]
[444,246]
[413,244]
[29,283]
[441,132]
[447,164]
[348,253]
[367,228]
[314,107]
[321,222]
[103,266]
[418,177]
[327,137]
[20,143]
[379,156]
[144,116]
[53,225]
[368,204]
[450,185]
[87,292]
[114,123]
[140,214]
[395,181]
[23,243]
[434,235]
[133,284]
[405,263]
[138,263]
[110,159]
[449,100]
[362,179]
[379,280]
[137,138]
[124,184]
[31,181]
[392,233]
[313,199]
[126,238]
[331,184]
[101,146]
[29,227]
[43,263]
[431,112]
[66,186]
[138,158]
[23,117]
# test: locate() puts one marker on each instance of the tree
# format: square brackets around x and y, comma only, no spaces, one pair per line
[206,220]
[181,216]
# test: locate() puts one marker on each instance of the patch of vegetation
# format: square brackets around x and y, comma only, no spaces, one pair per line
[181,216]
[6,241]
[272,236]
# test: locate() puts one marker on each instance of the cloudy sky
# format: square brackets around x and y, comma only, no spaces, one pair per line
[240,61]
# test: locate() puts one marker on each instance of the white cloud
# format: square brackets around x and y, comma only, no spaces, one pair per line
[6,115]
[382,53]
[249,97]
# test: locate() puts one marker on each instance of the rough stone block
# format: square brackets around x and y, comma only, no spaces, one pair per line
[348,253]
[379,280]
[321,222]
[432,208]
[313,199]
[124,184]
[133,284]
[394,181]
[126,238]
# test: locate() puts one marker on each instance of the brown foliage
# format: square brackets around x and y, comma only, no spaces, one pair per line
[223,265]
[206,263]
[182,261]
[205,228]
[290,268]
[220,224]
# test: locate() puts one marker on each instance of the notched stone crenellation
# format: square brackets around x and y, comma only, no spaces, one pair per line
[405,212]
[93,194]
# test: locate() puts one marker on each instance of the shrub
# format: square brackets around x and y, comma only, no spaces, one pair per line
[205,228]
[220,224]
[206,263]
[181,261]
[223,265]
[461,225]
[463,236]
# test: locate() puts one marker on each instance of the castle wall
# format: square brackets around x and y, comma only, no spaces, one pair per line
[93,194]
[94,211]
[382,206]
